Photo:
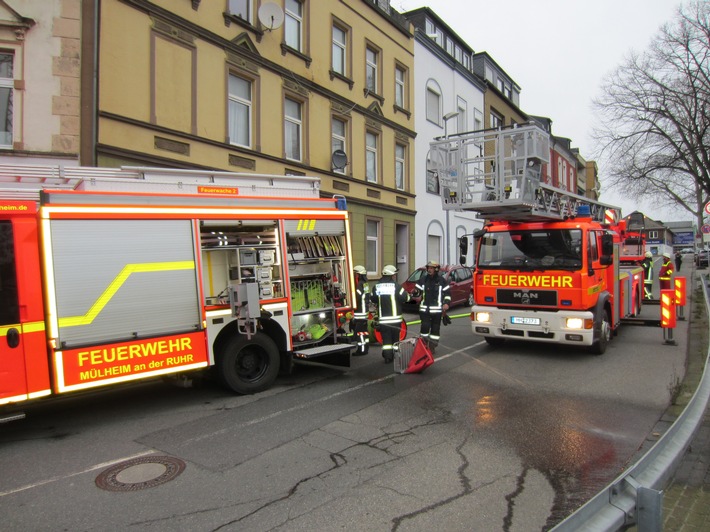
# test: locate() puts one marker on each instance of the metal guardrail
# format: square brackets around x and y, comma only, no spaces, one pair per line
[636,496]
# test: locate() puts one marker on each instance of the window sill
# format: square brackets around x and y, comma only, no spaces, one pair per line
[336,75]
[398,109]
[229,18]
[367,92]
[286,49]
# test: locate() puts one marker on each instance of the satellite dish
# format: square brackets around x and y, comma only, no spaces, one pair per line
[339,160]
[271,16]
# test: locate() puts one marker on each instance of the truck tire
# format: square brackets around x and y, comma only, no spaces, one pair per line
[600,344]
[249,365]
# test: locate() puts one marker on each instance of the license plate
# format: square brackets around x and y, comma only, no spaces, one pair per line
[520,320]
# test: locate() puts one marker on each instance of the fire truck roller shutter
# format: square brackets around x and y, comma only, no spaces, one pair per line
[122,279]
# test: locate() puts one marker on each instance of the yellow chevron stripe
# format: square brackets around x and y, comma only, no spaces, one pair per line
[115,285]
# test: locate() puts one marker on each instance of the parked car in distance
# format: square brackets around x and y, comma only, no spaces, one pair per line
[460,280]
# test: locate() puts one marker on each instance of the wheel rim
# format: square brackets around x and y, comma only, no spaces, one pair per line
[251,364]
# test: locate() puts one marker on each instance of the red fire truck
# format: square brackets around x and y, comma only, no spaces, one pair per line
[115,275]
[549,266]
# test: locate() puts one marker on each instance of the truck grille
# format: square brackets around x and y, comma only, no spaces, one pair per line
[533,298]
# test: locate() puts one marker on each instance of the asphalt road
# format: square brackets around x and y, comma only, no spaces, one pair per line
[507,438]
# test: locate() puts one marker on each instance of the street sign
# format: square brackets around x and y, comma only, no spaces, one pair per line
[707,207]
[705,229]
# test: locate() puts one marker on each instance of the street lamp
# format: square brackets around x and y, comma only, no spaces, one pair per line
[447,117]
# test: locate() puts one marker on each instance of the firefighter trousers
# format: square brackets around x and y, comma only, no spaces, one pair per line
[431,327]
[390,335]
[361,336]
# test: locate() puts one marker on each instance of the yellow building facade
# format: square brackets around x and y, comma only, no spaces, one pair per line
[320,88]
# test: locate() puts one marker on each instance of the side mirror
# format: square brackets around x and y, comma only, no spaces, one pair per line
[607,255]
[463,249]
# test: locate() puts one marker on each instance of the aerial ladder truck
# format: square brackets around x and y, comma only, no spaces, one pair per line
[548,264]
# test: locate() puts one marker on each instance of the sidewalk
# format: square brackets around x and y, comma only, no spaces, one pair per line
[686,502]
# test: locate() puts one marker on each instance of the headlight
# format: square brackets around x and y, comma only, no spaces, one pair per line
[575,323]
[483,317]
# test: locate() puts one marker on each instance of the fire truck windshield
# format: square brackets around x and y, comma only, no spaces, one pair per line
[533,249]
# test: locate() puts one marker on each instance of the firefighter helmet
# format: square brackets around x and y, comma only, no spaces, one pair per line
[360,269]
[433,264]
[389,270]
[667,255]
[649,255]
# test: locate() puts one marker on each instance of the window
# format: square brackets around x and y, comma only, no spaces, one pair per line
[9,307]
[399,86]
[241,9]
[338,136]
[496,119]
[372,245]
[339,50]
[400,166]
[371,69]
[239,111]
[462,118]
[432,182]
[371,150]
[477,120]
[6,96]
[433,104]
[293,129]
[293,24]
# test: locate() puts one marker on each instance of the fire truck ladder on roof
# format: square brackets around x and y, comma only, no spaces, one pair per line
[24,182]
[497,173]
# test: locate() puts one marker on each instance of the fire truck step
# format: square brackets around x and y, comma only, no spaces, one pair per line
[332,355]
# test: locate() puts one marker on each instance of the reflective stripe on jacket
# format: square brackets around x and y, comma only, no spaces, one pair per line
[666,271]
[435,293]
[389,296]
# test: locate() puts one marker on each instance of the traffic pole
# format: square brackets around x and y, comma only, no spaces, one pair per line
[680,296]
[668,315]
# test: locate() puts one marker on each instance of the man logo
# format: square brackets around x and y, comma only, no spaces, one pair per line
[525,298]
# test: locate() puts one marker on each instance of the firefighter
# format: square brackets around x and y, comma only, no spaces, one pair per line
[664,276]
[436,297]
[358,325]
[647,265]
[389,297]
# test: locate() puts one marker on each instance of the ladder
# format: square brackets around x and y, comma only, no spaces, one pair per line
[497,173]
[24,182]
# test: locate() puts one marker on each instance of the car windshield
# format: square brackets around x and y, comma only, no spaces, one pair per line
[535,249]
[415,275]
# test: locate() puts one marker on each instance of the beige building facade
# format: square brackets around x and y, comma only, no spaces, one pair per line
[320,88]
[39,81]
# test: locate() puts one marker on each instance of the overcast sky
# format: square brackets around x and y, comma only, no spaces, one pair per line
[558,52]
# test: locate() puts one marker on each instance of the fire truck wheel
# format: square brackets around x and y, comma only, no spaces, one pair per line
[249,365]
[599,346]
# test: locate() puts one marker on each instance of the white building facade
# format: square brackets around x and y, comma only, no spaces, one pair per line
[448,99]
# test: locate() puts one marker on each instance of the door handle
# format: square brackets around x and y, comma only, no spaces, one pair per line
[13,337]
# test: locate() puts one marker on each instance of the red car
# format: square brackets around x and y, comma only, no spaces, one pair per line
[460,280]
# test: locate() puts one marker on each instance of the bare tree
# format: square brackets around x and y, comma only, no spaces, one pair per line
[654,113]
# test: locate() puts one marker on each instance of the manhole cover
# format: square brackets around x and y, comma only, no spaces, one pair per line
[140,473]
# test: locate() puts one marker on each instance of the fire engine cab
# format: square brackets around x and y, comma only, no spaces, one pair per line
[115,275]
[548,266]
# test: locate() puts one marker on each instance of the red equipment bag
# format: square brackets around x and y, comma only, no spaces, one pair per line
[412,356]
[402,333]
